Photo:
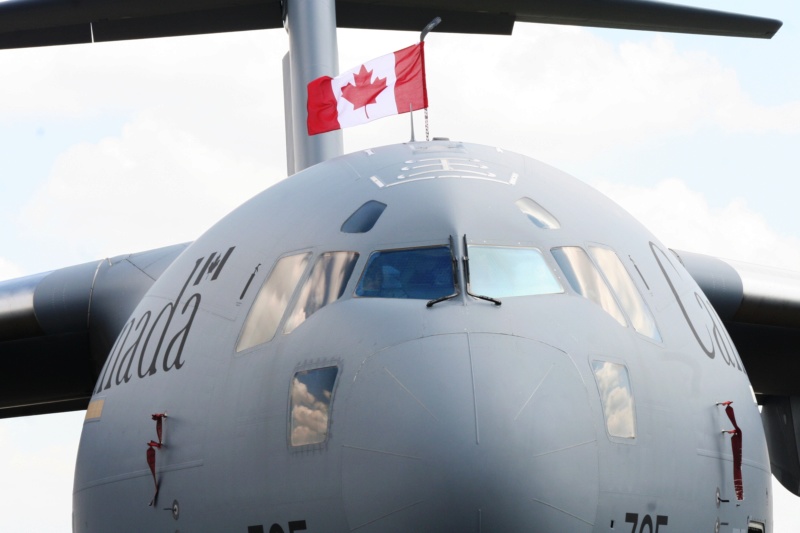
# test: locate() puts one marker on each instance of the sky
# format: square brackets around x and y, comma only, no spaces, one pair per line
[113,148]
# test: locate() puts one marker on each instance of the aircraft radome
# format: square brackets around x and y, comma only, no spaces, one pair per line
[185,516]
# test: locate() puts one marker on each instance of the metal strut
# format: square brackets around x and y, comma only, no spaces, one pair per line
[313,52]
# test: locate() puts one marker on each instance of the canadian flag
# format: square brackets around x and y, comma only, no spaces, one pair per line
[388,85]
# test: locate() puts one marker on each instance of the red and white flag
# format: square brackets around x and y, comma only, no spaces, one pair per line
[388,85]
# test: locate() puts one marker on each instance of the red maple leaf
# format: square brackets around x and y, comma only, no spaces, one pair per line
[365,91]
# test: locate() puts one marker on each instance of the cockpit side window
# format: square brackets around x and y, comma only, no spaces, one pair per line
[364,218]
[310,398]
[505,271]
[324,285]
[541,217]
[584,279]
[416,273]
[629,296]
[616,395]
[271,301]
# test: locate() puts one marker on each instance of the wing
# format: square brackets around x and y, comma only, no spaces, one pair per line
[57,328]
[760,308]
[27,23]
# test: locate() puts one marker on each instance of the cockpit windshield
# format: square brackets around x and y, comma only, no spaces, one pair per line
[417,273]
[504,271]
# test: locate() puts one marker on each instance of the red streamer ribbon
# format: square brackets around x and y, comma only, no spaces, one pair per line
[158,417]
[151,462]
[151,451]
[736,448]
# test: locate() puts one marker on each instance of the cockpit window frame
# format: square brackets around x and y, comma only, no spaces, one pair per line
[537,214]
[635,290]
[602,289]
[545,260]
[363,219]
[250,319]
[325,364]
[371,257]
[304,304]
[594,361]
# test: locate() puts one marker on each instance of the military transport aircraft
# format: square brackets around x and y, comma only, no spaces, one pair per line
[318,389]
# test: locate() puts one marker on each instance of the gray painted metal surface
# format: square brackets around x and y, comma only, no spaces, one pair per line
[312,40]
[760,308]
[17,317]
[540,410]
[57,328]
[287,114]
[747,293]
[781,418]
[462,416]
[25,23]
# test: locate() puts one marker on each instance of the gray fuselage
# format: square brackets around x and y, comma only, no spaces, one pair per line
[586,401]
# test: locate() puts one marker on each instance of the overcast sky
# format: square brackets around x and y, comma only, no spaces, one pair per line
[120,147]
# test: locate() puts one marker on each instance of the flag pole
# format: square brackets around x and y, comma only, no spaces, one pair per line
[432,24]
[411,115]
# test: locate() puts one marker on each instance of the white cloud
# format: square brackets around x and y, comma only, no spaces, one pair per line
[309,415]
[567,92]
[8,270]
[205,126]
[683,219]
[156,184]
[786,509]
[206,71]
[38,475]
[203,132]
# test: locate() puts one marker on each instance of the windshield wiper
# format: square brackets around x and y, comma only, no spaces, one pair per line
[435,301]
[495,301]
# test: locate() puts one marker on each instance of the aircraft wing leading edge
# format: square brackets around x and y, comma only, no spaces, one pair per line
[57,328]
[30,23]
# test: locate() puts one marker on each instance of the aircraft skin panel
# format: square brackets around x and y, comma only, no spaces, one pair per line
[29,23]
[57,328]
[743,292]
[460,399]
[17,318]
[760,308]
[653,16]
[469,416]
[257,380]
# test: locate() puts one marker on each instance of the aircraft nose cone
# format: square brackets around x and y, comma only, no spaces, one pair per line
[469,432]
